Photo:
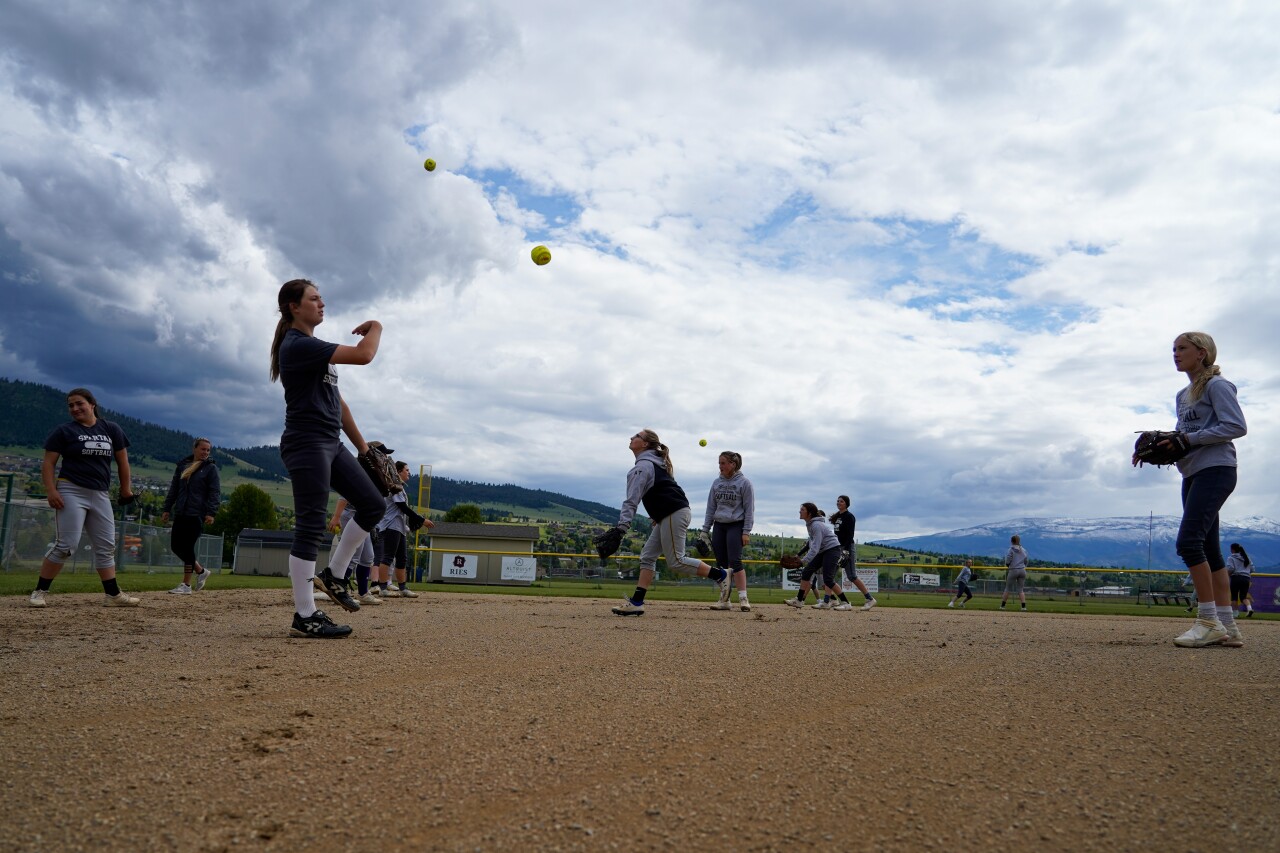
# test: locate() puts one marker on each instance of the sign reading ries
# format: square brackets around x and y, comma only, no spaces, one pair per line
[458,566]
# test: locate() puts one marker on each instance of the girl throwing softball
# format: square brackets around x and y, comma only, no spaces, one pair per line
[311,448]
[651,482]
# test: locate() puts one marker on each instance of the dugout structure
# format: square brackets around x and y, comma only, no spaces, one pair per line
[266,552]
[495,554]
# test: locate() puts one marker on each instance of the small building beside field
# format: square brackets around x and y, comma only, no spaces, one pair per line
[266,552]
[462,553]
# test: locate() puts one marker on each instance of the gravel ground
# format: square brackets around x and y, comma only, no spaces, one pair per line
[464,722]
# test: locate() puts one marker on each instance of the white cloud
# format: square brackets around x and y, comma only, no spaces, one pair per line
[930,257]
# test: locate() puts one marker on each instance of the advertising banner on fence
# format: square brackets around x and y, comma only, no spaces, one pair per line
[869,576]
[1266,594]
[918,579]
[519,569]
[459,566]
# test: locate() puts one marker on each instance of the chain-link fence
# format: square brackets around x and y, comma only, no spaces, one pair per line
[27,531]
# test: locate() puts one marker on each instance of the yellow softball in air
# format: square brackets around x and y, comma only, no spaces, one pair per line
[541,255]
[702,443]
[429,165]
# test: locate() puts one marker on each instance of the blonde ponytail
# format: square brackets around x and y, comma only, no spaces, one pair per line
[195,463]
[1202,341]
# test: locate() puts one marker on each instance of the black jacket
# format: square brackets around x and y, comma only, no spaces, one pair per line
[199,495]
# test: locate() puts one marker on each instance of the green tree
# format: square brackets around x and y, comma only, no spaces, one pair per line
[465,514]
[248,507]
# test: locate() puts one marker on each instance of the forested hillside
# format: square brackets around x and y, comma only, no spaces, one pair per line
[28,412]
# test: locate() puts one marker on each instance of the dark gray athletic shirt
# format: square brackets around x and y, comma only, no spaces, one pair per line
[87,452]
[312,404]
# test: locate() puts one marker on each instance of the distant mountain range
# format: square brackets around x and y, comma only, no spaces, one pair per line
[1112,542]
[29,411]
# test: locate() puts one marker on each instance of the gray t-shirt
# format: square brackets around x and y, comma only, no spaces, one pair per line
[312,404]
[1210,424]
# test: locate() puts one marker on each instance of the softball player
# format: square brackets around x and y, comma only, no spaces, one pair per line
[362,562]
[651,481]
[80,496]
[824,551]
[1210,417]
[312,451]
[1016,577]
[1240,569]
[731,509]
[962,585]
[194,497]
[844,523]
[393,536]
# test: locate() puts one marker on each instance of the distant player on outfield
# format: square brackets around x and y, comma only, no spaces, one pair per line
[824,555]
[962,584]
[731,509]
[80,494]
[1240,569]
[311,448]
[1016,576]
[651,482]
[194,497]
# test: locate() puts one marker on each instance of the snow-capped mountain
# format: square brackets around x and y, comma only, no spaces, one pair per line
[1111,542]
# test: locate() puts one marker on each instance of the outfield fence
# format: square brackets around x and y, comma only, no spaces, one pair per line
[27,532]
[1152,587]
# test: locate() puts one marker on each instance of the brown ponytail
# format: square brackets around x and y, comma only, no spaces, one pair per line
[291,293]
[651,439]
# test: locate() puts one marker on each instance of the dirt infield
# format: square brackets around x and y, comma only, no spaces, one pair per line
[463,722]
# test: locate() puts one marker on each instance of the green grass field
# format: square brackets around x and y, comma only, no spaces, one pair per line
[22,582]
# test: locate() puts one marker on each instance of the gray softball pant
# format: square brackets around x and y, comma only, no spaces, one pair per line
[83,511]
[667,539]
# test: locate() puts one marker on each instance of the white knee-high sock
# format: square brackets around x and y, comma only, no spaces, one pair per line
[304,593]
[353,536]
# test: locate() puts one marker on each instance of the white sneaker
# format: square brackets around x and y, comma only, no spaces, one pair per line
[201,579]
[744,605]
[389,592]
[180,589]
[822,605]
[720,605]
[370,598]
[628,608]
[844,605]
[725,585]
[1234,638]
[1201,633]
[871,602]
[793,602]
[408,593]
[121,600]
[951,604]
[37,598]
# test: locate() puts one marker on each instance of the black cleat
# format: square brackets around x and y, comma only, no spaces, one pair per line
[319,626]
[336,589]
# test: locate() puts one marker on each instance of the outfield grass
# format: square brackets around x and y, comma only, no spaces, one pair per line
[22,582]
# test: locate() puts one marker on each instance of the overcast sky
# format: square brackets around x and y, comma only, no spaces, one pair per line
[930,255]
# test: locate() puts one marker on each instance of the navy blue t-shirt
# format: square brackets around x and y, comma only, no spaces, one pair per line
[87,452]
[312,405]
